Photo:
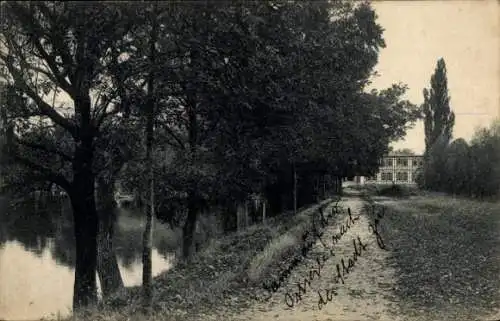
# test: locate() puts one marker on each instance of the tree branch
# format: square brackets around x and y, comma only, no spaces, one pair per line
[63,50]
[44,107]
[174,136]
[46,173]
[61,81]
[44,148]
[105,114]
[35,35]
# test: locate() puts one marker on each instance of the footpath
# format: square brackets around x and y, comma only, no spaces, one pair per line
[322,288]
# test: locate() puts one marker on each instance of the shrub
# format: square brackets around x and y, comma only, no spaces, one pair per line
[394,190]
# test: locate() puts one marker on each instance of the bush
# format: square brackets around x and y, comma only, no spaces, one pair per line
[465,169]
[395,191]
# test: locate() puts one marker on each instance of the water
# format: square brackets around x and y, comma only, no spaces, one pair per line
[37,258]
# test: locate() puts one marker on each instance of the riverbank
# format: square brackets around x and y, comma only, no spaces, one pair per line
[419,257]
[229,273]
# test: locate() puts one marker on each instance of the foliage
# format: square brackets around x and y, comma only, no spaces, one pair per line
[394,190]
[466,169]
[244,95]
[439,119]
[457,168]
[404,151]
[434,168]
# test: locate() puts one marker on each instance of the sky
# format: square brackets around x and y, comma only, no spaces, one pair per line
[466,34]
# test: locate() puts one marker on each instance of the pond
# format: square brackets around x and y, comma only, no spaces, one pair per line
[37,257]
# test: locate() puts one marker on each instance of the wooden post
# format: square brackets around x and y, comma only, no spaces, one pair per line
[294,190]
[324,187]
[264,205]
[238,217]
[246,214]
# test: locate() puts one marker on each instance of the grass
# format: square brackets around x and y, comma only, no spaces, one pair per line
[283,248]
[226,275]
[446,252]
[390,190]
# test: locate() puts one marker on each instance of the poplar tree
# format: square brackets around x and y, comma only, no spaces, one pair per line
[438,124]
[438,117]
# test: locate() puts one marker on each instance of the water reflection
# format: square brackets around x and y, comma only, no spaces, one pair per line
[37,257]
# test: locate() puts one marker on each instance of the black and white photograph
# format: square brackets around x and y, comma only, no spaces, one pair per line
[237,160]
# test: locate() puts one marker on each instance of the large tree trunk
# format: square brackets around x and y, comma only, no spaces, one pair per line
[86,228]
[147,239]
[189,226]
[242,215]
[147,242]
[107,264]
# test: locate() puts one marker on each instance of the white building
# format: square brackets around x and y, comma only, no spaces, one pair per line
[399,169]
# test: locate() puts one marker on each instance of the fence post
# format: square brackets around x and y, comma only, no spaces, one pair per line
[264,205]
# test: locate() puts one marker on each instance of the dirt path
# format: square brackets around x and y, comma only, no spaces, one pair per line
[367,286]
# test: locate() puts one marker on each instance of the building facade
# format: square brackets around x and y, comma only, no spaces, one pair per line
[399,169]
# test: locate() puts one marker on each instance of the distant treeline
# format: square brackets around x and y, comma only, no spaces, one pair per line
[460,168]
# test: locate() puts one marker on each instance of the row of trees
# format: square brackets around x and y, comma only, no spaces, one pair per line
[468,169]
[455,166]
[203,103]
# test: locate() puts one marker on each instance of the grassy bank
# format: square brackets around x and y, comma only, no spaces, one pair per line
[226,276]
[447,255]
[390,190]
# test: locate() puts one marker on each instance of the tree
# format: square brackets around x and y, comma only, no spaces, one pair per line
[245,90]
[434,169]
[275,78]
[438,124]
[404,151]
[63,48]
[458,168]
[485,159]
[147,272]
[439,119]
[117,146]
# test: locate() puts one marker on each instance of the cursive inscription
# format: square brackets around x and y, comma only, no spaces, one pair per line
[350,220]
[273,286]
[293,298]
[349,263]
[328,297]
[346,265]
[374,228]
[343,268]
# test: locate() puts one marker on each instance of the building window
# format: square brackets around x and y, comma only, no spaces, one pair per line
[402,176]
[402,162]
[387,176]
[415,162]
[388,162]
